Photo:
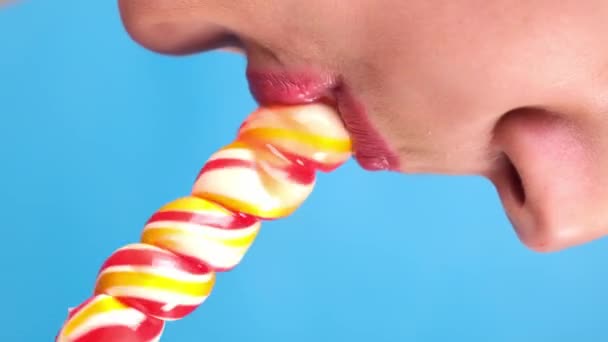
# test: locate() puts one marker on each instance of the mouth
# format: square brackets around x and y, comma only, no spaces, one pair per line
[371,151]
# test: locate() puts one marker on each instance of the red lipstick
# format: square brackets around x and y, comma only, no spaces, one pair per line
[370,150]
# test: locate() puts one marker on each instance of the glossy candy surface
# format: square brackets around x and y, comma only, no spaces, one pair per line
[202,230]
[237,178]
[266,173]
[155,281]
[311,135]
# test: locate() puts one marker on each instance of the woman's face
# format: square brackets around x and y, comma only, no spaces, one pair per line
[513,90]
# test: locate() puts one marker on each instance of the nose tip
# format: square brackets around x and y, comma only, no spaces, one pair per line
[175,34]
[548,183]
[542,223]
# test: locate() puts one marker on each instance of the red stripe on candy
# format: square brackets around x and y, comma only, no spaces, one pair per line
[301,174]
[147,257]
[299,170]
[148,330]
[233,221]
[111,333]
[145,305]
[308,163]
[223,163]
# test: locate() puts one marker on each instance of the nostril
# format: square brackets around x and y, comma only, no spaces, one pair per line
[509,183]
[231,42]
[515,183]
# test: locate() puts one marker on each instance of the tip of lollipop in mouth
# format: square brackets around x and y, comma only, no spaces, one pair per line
[370,150]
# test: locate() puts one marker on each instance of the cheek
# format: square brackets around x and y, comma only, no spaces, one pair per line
[490,58]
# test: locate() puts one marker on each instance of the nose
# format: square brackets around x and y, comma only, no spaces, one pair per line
[175,28]
[552,179]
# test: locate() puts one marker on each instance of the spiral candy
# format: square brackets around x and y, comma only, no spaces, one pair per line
[265,174]
[202,230]
[156,281]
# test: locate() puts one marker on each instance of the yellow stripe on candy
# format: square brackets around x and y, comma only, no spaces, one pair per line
[235,144]
[97,305]
[109,279]
[194,204]
[170,237]
[314,140]
[245,207]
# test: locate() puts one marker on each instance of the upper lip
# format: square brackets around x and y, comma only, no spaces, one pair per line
[292,88]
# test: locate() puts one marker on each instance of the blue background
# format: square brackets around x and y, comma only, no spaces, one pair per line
[97,132]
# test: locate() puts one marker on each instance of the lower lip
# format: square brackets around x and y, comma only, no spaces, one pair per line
[370,150]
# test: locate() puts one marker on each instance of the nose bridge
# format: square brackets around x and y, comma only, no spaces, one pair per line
[176,31]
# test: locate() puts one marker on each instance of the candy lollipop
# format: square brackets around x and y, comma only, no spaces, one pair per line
[266,173]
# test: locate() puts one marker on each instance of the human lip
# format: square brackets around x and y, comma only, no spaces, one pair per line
[370,150]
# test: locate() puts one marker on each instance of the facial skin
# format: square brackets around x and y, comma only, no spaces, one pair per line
[454,87]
